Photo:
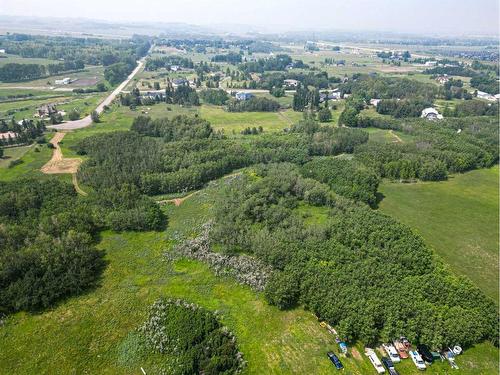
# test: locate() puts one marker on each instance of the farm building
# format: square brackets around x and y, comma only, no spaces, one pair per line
[64,81]
[431,114]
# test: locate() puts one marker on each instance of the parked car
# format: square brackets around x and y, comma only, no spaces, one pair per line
[389,366]
[425,353]
[401,348]
[392,352]
[372,356]
[335,360]
[417,360]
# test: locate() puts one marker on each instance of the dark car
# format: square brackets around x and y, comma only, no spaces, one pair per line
[335,360]
[425,353]
[389,365]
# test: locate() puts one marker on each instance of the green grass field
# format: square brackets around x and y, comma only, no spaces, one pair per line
[93,333]
[458,218]
[11,154]
[32,161]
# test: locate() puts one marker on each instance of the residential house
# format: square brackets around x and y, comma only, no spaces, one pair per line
[431,114]
[291,83]
[175,68]
[46,110]
[243,95]
[2,51]
[374,102]
[179,82]
[443,79]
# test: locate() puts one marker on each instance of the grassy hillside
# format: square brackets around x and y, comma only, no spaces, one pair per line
[93,333]
[458,218]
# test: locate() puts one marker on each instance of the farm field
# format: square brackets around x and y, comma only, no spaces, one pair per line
[94,332]
[458,218]
[86,78]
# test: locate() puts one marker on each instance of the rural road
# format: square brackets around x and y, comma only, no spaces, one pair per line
[86,121]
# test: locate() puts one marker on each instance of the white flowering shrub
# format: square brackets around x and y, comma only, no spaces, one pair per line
[245,269]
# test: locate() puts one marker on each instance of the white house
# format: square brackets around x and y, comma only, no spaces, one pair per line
[64,81]
[2,51]
[374,102]
[430,63]
[243,95]
[431,114]
[175,68]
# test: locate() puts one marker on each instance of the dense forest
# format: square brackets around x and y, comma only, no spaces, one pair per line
[166,156]
[363,272]
[48,236]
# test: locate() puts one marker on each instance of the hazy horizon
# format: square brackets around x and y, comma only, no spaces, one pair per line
[411,16]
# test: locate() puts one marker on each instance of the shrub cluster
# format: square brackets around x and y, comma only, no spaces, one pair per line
[199,342]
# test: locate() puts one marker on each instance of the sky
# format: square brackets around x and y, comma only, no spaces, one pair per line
[446,17]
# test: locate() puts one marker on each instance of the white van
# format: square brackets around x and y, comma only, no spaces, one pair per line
[417,360]
[392,352]
[372,356]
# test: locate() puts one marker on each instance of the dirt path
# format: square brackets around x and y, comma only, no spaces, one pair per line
[59,164]
[177,201]
[77,187]
[397,139]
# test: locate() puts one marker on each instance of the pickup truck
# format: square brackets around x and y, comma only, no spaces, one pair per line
[417,360]
[389,366]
